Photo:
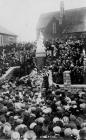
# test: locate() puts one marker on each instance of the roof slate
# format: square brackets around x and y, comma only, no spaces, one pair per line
[74,20]
[5,31]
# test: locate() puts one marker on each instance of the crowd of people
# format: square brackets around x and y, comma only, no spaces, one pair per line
[32,109]
[34,106]
[67,56]
[63,56]
[15,55]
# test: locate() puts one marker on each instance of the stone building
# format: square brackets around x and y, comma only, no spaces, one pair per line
[6,37]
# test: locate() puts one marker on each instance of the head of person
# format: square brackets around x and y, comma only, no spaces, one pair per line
[82,133]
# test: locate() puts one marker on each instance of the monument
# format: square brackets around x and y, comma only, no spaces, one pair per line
[40,53]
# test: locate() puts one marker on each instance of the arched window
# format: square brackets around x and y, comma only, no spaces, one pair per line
[54,28]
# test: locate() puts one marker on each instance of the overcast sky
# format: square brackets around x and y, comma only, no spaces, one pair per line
[21,16]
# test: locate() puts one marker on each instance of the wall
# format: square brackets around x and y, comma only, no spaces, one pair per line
[67,83]
[48,32]
[74,88]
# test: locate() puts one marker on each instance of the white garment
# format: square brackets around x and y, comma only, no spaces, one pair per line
[50,79]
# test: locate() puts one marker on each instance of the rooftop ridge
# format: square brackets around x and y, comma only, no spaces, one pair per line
[3,30]
[66,10]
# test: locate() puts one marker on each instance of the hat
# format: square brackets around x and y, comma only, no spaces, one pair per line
[55,119]
[68,132]
[2,118]
[74,106]
[40,119]
[32,115]
[81,93]
[83,124]
[16,117]
[36,94]
[72,117]
[19,121]
[47,110]
[13,85]
[29,135]
[68,100]
[72,125]
[22,128]
[58,103]
[8,113]
[1,99]
[7,130]
[15,136]
[59,108]
[75,132]
[57,129]
[17,106]
[80,119]
[82,133]
[83,106]
[11,119]
[78,123]
[4,109]
[65,119]
[73,102]
[33,108]
[7,124]
[32,125]
[66,107]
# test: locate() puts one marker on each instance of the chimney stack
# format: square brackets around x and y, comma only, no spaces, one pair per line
[61,11]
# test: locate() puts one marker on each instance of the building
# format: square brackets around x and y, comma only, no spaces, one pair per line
[6,37]
[63,23]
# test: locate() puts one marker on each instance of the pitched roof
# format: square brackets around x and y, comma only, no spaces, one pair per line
[5,31]
[44,19]
[74,19]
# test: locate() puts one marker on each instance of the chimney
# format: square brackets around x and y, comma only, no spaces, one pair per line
[61,11]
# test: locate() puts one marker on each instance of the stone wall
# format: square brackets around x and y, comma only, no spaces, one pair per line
[67,83]
[74,88]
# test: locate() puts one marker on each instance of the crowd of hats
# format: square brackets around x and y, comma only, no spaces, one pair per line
[30,108]
[39,112]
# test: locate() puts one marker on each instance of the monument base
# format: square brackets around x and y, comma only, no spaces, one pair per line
[40,61]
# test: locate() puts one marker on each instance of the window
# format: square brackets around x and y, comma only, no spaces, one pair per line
[54,28]
[1,40]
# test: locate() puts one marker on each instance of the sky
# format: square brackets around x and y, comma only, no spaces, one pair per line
[21,16]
